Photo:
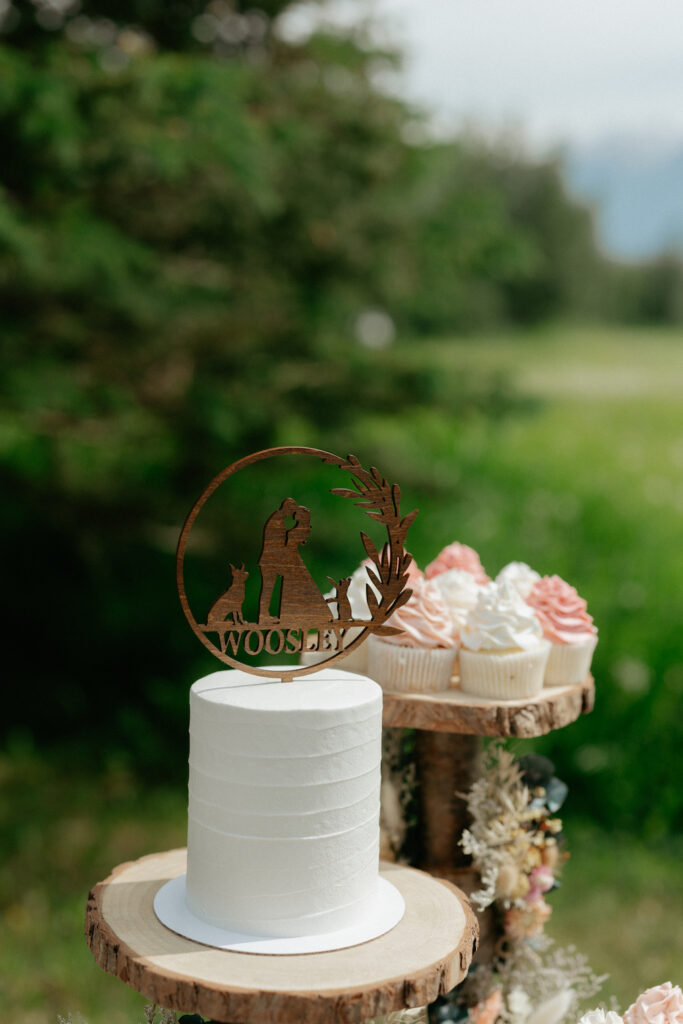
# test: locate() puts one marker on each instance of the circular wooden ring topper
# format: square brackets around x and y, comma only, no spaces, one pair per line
[302,618]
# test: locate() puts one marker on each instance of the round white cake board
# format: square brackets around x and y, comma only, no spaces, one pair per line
[382,914]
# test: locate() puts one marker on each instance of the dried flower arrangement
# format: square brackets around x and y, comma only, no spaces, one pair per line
[515,843]
[514,838]
[539,983]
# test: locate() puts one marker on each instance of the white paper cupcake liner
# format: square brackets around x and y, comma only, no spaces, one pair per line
[569,663]
[504,675]
[403,669]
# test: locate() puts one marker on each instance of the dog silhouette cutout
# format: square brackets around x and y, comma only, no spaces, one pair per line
[230,602]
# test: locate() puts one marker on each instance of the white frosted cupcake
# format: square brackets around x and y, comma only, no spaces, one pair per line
[460,591]
[421,658]
[503,654]
[569,628]
[520,575]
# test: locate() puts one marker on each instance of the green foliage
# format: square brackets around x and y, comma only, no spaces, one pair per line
[652,292]
[183,247]
[186,244]
[497,240]
[181,26]
[587,485]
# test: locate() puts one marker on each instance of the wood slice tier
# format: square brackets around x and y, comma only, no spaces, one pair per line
[458,712]
[425,955]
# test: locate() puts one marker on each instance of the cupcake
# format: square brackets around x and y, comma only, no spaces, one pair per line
[457,556]
[520,575]
[569,628]
[420,659]
[357,659]
[503,653]
[460,591]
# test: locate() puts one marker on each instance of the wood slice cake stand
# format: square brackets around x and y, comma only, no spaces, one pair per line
[448,747]
[423,956]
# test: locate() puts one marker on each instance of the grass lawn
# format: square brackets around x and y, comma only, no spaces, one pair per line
[621,904]
[585,479]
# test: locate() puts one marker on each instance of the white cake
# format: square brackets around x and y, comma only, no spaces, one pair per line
[283,817]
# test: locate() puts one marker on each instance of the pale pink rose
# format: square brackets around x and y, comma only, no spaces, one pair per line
[540,880]
[560,610]
[458,556]
[488,1010]
[526,922]
[662,1004]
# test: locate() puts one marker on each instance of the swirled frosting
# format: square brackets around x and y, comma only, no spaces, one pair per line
[662,1004]
[520,575]
[561,612]
[424,619]
[459,590]
[457,556]
[501,620]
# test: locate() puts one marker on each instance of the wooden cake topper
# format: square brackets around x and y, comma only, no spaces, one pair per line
[302,618]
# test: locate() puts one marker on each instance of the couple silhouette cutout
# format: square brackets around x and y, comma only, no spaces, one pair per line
[300,599]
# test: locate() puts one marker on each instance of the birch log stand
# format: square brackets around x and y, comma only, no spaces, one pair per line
[425,955]
[449,729]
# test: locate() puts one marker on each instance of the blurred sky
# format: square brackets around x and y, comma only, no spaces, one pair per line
[601,79]
[576,71]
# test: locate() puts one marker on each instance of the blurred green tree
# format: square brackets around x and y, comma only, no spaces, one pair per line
[194,215]
[185,242]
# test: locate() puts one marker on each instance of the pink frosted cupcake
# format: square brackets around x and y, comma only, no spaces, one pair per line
[457,556]
[569,628]
[503,654]
[421,658]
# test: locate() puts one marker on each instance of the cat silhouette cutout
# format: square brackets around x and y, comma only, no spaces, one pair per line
[341,598]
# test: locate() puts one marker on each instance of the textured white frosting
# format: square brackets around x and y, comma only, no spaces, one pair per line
[357,594]
[283,816]
[459,590]
[501,620]
[521,575]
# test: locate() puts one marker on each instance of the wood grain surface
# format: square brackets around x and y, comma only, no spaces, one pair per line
[426,954]
[291,608]
[456,712]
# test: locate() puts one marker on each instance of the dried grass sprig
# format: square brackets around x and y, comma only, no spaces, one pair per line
[531,975]
[497,802]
